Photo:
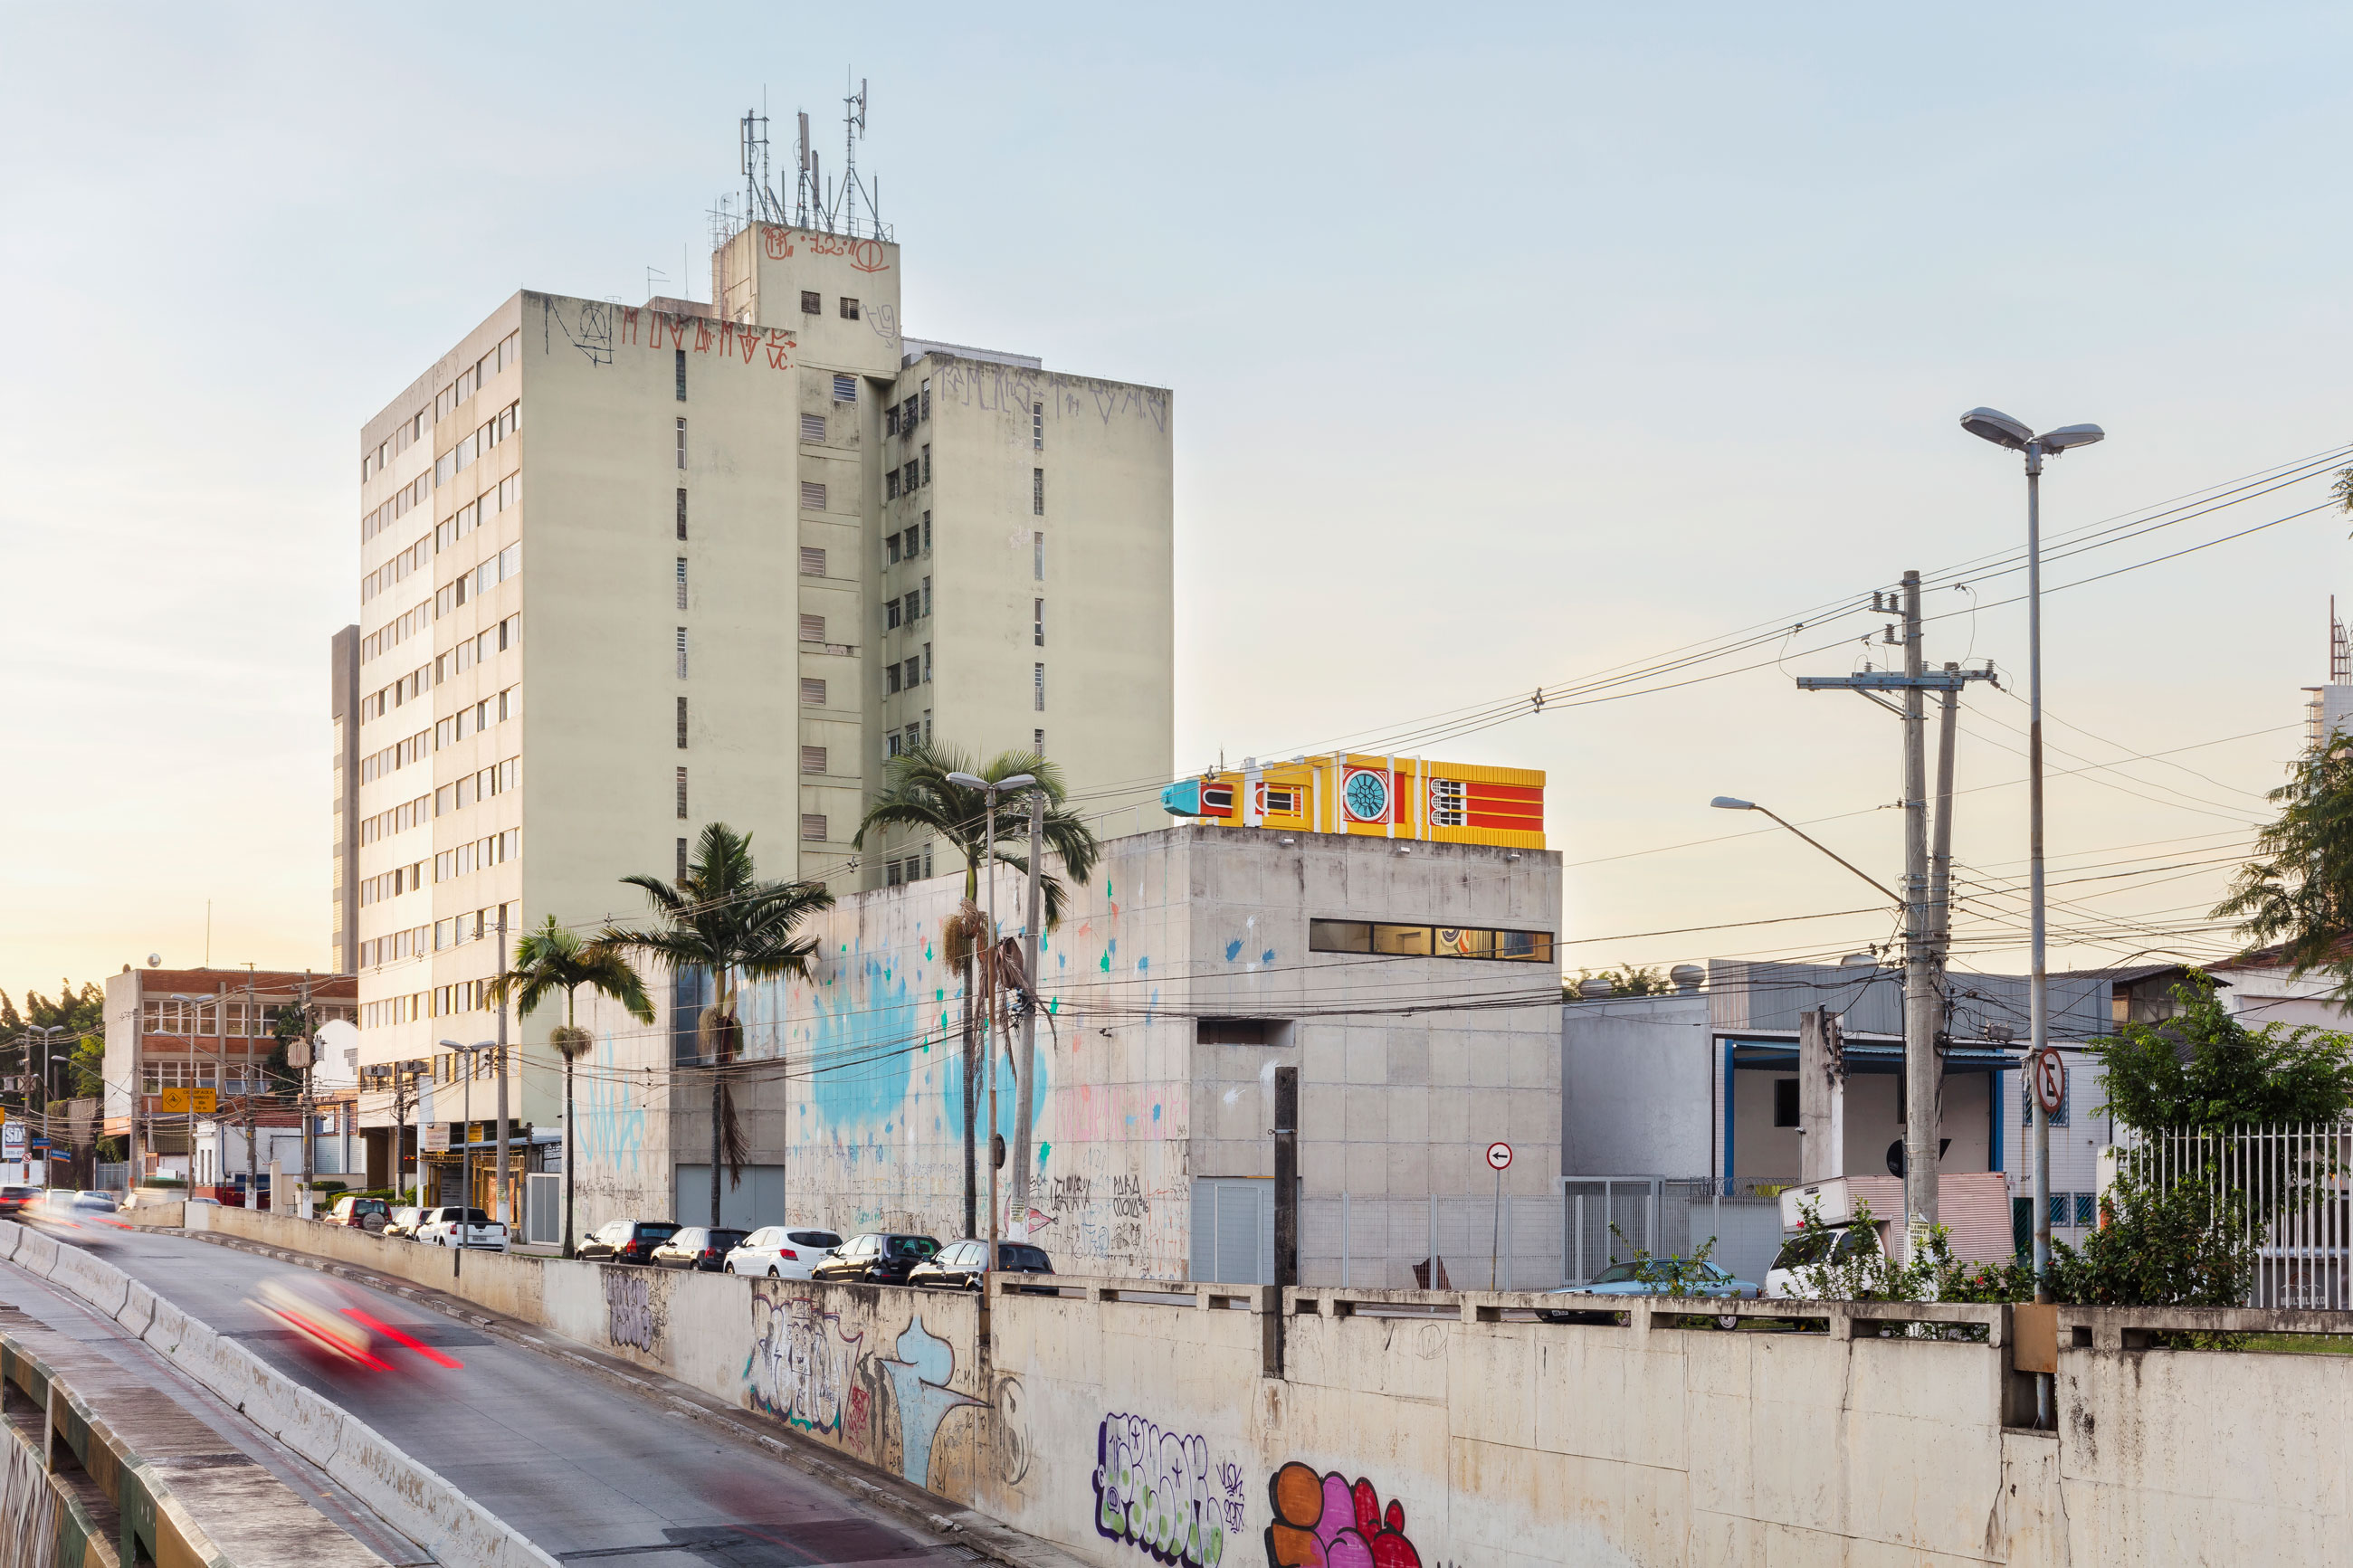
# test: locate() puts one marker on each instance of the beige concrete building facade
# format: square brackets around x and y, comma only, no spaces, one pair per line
[628,570]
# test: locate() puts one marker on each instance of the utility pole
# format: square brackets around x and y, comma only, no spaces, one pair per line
[992,971]
[309,1112]
[1286,1205]
[252,1103]
[500,1212]
[1926,917]
[1940,876]
[1023,1108]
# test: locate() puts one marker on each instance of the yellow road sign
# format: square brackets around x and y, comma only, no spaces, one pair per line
[181,1102]
[174,1103]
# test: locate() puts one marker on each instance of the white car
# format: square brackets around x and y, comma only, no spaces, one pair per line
[781,1251]
[468,1228]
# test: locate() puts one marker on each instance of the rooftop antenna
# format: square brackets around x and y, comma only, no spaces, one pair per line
[853,126]
[760,202]
[2340,652]
[809,173]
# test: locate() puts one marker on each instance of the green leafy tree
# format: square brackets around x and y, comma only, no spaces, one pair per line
[917,794]
[86,1070]
[721,919]
[2203,1067]
[553,959]
[2297,892]
[1626,980]
[2184,1243]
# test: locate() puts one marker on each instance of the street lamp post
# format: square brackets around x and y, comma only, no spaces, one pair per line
[1727,803]
[1991,424]
[993,789]
[466,1179]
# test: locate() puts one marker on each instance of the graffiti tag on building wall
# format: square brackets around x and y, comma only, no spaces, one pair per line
[919,1386]
[1154,1490]
[1322,1521]
[629,1309]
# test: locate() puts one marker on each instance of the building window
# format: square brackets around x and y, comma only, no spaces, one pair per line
[1428,941]
[890,679]
[890,492]
[912,479]
[889,744]
[1785,1102]
[681,795]
[682,859]
[915,673]
[813,826]
[812,561]
[681,374]
[849,309]
[813,628]
[812,758]
[1038,426]
[927,595]
[891,545]
[1037,493]
[927,397]
[1038,556]
[682,653]
[681,511]
[812,496]
[681,723]
[1037,618]
[812,693]
[1037,678]
[927,533]
[682,582]
[681,443]
[927,662]
[890,614]
[1038,742]
[845,389]
[927,462]
[812,302]
[812,427]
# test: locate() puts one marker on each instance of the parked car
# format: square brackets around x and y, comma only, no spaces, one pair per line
[782,1251]
[963,1265]
[370,1214]
[1620,1279]
[625,1241]
[877,1258]
[461,1227]
[1816,1245]
[14,1197]
[400,1224]
[696,1247]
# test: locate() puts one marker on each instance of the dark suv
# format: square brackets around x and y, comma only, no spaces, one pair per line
[963,1265]
[696,1247]
[876,1258]
[625,1241]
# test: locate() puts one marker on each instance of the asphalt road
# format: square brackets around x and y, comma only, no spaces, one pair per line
[589,1473]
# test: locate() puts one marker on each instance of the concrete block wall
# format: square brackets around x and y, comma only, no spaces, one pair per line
[852,1082]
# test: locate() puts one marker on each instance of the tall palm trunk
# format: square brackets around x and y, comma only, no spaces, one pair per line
[971,1112]
[718,1096]
[568,1054]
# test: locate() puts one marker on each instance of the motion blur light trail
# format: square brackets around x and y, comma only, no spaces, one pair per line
[327,1320]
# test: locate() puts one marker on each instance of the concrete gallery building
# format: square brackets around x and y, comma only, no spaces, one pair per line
[628,571]
[1413,985]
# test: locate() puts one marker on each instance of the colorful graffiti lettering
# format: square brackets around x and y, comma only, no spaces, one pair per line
[1322,1521]
[802,1365]
[1151,1489]
[919,1386]
[629,1309]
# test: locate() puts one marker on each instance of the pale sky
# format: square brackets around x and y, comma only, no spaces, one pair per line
[1509,347]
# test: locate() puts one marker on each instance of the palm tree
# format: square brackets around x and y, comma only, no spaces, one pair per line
[553,959]
[721,919]
[916,793]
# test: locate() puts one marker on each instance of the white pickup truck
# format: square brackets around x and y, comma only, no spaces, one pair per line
[1973,1207]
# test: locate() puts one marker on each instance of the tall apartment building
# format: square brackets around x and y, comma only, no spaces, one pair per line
[624,571]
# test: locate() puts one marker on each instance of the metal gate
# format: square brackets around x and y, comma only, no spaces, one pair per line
[2299,1205]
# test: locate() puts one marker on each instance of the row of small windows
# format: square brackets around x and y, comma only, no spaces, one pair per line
[1428,941]
[235,1019]
[896,741]
[482,854]
[905,610]
[478,786]
[481,716]
[412,494]
[417,556]
[477,444]
[901,418]
[813,304]
[445,401]
[914,540]
[906,675]
[474,925]
[907,480]
[477,649]
[913,868]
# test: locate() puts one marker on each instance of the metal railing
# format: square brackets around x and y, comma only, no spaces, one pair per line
[2298,1201]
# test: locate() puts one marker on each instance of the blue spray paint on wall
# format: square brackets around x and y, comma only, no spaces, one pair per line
[919,1378]
[609,1106]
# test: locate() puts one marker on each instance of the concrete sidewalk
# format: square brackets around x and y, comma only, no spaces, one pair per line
[976,1533]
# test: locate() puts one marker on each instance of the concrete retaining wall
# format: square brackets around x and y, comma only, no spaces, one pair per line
[1129,1422]
[405,1494]
[503,1283]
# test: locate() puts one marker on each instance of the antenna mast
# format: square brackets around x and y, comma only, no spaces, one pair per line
[808,180]
[853,126]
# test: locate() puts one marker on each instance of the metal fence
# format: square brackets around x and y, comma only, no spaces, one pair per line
[2298,1203]
[1606,1219]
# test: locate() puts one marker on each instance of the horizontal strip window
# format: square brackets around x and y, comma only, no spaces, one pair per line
[1428,941]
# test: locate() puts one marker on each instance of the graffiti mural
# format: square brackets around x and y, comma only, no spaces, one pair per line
[803,1367]
[1322,1521]
[1009,1432]
[919,1385]
[629,1318]
[1154,1490]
